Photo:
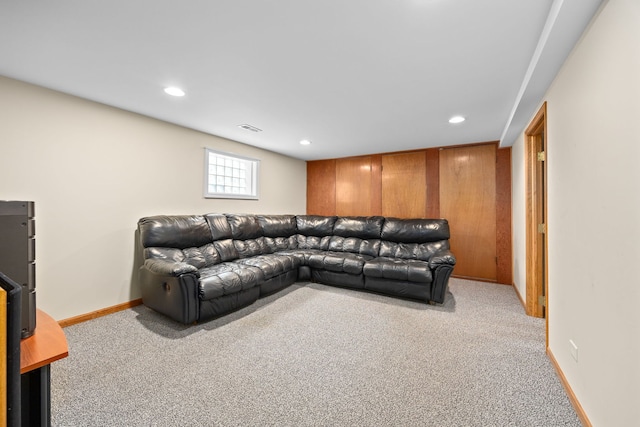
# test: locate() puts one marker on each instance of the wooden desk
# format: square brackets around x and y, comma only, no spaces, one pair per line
[46,345]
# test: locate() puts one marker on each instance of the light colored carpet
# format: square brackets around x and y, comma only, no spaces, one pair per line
[314,355]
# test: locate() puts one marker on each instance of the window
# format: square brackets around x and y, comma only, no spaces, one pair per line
[230,176]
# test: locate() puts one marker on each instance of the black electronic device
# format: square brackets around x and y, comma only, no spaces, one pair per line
[14,299]
[18,254]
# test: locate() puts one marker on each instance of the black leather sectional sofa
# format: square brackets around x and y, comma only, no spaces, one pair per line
[198,267]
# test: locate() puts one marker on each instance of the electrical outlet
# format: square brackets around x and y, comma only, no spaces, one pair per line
[573,348]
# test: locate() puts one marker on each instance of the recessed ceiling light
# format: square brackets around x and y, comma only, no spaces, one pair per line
[305,142]
[456,119]
[174,91]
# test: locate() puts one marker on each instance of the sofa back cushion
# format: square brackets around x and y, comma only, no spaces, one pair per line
[251,247]
[281,243]
[362,227]
[226,249]
[174,231]
[415,230]
[354,245]
[199,257]
[421,251]
[220,228]
[314,225]
[167,254]
[244,226]
[313,242]
[279,231]
[278,225]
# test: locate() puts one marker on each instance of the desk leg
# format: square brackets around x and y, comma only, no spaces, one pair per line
[36,397]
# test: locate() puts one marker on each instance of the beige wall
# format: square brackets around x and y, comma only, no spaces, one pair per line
[594,216]
[93,171]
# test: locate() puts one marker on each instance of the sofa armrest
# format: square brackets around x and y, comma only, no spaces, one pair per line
[443,257]
[169,268]
[441,264]
[176,296]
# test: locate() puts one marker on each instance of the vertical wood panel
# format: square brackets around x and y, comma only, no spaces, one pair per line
[504,272]
[404,193]
[433,182]
[376,185]
[353,186]
[468,201]
[321,187]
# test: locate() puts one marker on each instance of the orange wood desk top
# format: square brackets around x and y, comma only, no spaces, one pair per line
[46,345]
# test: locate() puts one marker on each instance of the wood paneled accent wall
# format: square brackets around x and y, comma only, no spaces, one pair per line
[321,187]
[420,184]
[468,202]
[357,189]
[398,198]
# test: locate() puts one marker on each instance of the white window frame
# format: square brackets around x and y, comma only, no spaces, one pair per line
[230,179]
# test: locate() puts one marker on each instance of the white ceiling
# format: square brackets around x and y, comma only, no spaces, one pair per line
[352,76]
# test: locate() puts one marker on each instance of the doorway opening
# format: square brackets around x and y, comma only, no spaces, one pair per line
[536,214]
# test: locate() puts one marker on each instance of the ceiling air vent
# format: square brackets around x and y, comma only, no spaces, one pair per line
[249,127]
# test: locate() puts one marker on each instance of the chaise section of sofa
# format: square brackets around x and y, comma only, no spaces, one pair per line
[198,267]
[410,252]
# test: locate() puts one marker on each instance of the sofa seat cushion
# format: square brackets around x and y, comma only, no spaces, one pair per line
[228,278]
[272,265]
[340,262]
[398,269]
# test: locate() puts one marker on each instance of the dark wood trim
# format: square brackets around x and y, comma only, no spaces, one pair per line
[376,184]
[504,268]
[473,144]
[99,313]
[442,147]
[582,415]
[433,182]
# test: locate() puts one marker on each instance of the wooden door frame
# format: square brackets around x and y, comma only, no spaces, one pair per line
[535,270]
